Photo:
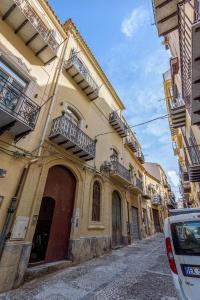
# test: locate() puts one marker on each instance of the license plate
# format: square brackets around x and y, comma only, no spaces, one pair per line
[191,270]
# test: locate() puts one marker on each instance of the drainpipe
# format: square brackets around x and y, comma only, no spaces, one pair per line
[140,217]
[14,200]
[12,207]
[54,92]
[128,224]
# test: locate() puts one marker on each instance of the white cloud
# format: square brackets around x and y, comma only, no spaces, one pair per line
[139,16]
[156,63]
[158,129]
[174,177]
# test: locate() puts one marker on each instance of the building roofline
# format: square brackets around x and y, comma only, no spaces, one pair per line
[151,176]
[69,26]
[154,163]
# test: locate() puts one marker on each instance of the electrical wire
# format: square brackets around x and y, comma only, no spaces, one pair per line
[149,121]
[136,125]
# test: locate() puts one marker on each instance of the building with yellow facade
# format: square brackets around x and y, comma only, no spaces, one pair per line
[178,22]
[72,172]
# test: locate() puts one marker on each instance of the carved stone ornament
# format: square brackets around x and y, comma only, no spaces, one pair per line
[13,58]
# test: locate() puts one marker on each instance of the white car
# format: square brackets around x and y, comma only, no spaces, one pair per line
[182,237]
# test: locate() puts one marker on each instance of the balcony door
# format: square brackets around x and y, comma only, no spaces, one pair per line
[135,223]
[11,87]
[116,220]
[156,220]
[52,234]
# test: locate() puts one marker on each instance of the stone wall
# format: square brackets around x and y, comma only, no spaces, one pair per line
[89,247]
[13,264]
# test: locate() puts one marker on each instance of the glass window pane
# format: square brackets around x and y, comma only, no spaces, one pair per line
[96,201]
[72,116]
[21,82]
[186,237]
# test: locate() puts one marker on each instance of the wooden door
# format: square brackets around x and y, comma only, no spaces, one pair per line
[156,220]
[116,220]
[41,236]
[60,186]
[145,222]
[135,223]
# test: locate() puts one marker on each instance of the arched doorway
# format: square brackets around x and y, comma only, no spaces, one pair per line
[116,220]
[52,234]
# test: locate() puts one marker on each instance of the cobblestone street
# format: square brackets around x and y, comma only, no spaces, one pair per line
[136,272]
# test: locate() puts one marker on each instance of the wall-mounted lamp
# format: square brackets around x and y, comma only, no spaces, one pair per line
[3,173]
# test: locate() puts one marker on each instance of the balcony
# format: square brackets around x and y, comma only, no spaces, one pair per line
[196,74]
[140,157]
[185,175]
[146,195]
[194,172]
[66,134]
[137,185]
[183,172]
[165,184]
[174,66]
[194,154]
[120,173]
[117,123]
[171,204]
[156,200]
[131,144]
[186,187]
[166,15]
[81,75]
[169,187]
[29,25]
[189,56]
[178,113]
[176,149]
[174,131]
[18,113]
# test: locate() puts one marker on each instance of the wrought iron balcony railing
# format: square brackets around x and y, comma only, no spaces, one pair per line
[23,17]
[120,170]
[64,132]
[188,15]
[139,183]
[82,76]
[157,200]
[131,143]
[194,155]
[140,157]
[117,123]
[177,102]
[17,111]
[178,112]
[37,23]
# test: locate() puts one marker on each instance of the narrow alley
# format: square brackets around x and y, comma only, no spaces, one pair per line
[136,272]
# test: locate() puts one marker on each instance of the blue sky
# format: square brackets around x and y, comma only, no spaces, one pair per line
[124,40]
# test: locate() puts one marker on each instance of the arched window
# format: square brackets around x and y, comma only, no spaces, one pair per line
[96,201]
[72,115]
[115,155]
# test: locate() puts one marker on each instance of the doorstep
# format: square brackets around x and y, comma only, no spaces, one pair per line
[39,271]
